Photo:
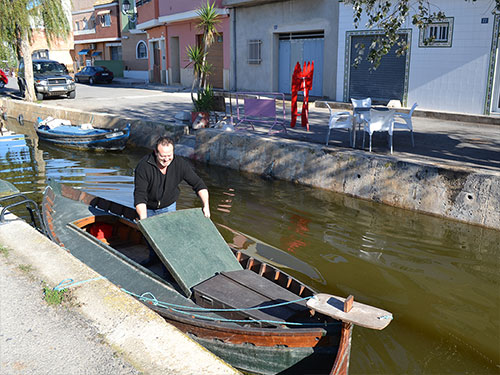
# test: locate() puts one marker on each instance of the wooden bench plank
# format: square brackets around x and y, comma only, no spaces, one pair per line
[245,289]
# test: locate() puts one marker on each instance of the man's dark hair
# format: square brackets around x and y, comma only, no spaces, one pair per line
[164,141]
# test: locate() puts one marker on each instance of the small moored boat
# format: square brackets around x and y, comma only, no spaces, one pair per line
[251,314]
[85,136]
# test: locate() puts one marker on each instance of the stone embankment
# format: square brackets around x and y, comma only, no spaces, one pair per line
[456,193]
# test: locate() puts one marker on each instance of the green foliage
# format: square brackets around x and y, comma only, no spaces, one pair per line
[205,101]
[208,20]
[389,16]
[25,268]
[22,17]
[8,57]
[53,297]
[4,251]
[18,21]
[196,56]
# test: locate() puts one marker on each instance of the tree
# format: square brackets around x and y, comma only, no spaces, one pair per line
[389,16]
[208,20]
[20,19]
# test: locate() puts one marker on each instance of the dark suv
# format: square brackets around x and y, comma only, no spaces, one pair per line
[51,79]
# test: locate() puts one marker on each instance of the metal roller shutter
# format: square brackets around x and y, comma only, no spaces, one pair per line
[385,83]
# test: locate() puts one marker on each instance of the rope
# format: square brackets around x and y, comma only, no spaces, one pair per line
[66,283]
[154,301]
[174,307]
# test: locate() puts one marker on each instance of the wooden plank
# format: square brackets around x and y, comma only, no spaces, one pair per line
[360,314]
[189,245]
[265,287]
[224,291]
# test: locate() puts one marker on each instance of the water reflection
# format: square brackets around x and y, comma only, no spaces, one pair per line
[439,278]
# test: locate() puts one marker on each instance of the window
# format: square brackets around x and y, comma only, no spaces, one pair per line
[142,51]
[138,3]
[437,34]
[254,51]
[116,53]
[105,20]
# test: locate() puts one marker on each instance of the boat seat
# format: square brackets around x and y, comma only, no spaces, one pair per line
[245,289]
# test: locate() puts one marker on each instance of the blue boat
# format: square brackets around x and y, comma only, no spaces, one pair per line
[62,133]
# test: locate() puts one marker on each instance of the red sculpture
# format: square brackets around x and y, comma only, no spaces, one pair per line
[302,80]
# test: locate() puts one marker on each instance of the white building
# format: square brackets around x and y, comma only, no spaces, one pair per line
[457,72]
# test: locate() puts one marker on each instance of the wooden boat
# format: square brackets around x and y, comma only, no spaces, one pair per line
[247,312]
[83,137]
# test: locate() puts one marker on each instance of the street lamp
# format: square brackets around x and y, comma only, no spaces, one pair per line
[131,15]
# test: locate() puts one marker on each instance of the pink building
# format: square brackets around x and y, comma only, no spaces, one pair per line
[171,28]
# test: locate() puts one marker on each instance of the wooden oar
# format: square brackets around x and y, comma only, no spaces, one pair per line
[348,311]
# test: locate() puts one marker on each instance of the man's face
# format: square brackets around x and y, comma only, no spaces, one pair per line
[164,155]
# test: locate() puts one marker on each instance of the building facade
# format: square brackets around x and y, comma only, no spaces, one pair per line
[171,27]
[451,64]
[97,32]
[268,38]
[135,50]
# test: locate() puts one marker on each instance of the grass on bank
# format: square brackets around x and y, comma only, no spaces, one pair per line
[4,251]
[53,297]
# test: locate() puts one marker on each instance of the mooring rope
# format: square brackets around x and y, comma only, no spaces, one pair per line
[156,302]
[66,283]
[149,297]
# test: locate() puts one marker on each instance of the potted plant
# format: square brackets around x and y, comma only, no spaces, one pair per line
[203,105]
[197,55]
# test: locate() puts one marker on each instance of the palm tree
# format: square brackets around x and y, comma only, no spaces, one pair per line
[208,21]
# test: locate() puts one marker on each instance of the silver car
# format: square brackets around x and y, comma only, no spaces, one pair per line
[51,79]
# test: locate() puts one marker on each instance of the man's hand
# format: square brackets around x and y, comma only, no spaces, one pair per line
[203,194]
[206,211]
[141,210]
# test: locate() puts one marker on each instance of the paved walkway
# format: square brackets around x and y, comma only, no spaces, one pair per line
[462,144]
[36,338]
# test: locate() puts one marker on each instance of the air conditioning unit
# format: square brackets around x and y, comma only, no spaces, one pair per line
[92,46]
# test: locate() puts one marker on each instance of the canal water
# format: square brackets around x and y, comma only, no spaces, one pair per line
[439,278]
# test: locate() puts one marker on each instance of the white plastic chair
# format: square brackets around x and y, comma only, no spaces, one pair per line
[380,121]
[361,109]
[340,120]
[403,121]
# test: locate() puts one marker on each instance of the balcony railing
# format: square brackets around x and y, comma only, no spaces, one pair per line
[84,32]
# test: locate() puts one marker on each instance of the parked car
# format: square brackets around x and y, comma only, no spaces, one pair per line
[94,74]
[3,79]
[51,79]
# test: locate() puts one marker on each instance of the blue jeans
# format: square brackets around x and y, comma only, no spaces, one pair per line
[171,208]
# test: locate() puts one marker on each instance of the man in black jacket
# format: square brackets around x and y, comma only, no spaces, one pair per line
[157,178]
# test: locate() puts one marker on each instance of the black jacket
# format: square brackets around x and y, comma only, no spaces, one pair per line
[159,190]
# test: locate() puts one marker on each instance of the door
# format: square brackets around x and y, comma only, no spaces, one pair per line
[156,62]
[301,47]
[215,57]
[385,83]
[175,62]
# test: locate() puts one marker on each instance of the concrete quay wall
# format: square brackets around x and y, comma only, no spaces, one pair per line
[464,194]
[143,133]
